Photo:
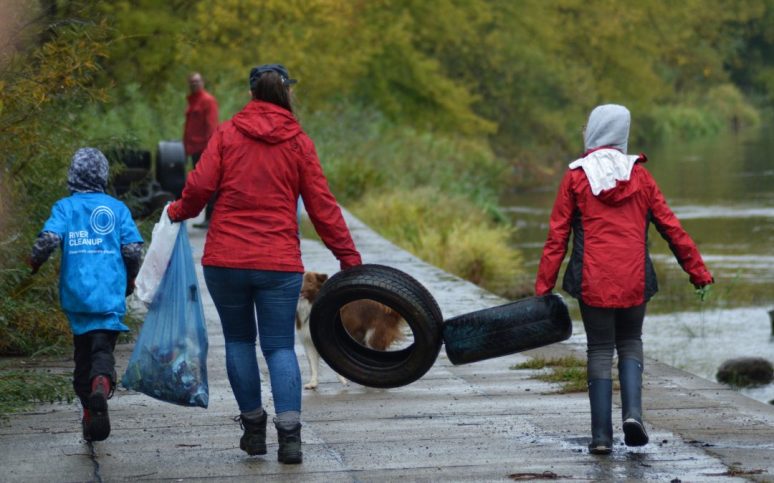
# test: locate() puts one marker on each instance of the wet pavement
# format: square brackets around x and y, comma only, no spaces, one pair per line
[475,422]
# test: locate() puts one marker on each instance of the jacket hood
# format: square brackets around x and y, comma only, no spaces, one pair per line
[266,122]
[88,171]
[622,191]
[608,125]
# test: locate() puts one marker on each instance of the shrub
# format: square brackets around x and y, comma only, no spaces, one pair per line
[41,89]
[720,109]
[362,151]
[729,103]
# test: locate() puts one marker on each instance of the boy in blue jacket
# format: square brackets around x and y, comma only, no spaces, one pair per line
[101,254]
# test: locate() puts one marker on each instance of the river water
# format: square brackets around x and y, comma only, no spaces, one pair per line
[722,190]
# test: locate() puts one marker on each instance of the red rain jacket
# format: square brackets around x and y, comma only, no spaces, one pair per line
[201,120]
[610,265]
[259,162]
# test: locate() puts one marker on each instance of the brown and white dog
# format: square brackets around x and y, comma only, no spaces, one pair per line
[370,323]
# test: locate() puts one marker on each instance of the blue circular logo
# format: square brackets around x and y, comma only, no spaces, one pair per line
[102,220]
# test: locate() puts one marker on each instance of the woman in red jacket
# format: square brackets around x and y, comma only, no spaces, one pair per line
[607,200]
[259,162]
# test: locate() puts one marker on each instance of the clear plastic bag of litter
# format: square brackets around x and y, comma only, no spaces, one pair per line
[169,361]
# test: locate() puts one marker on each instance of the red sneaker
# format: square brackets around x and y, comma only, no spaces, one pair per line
[99,427]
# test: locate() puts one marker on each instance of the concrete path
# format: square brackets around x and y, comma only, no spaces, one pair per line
[475,422]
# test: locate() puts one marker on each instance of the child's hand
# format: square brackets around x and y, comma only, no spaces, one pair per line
[35,266]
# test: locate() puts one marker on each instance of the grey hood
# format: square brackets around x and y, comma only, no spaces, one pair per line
[88,171]
[608,125]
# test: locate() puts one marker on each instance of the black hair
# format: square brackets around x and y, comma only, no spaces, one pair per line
[269,87]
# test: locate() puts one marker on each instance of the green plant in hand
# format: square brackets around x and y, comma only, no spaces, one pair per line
[703,293]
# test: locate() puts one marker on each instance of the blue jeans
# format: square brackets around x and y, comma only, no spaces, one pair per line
[240,296]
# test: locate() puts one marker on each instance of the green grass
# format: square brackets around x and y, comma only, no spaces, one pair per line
[20,389]
[569,372]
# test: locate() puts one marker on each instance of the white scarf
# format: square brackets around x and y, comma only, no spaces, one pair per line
[604,167]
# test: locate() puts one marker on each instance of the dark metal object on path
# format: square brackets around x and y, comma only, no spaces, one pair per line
[149,198]
[498,331]
[526,324]
[170,166]
[129,168]
[133,181]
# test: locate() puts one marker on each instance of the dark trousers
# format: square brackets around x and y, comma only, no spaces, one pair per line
[608,330]
[93,357]
[211,203]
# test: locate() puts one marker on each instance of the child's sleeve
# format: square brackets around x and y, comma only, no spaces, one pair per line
[131,249]
[132,256]
[43,247]
[129,231]
[50,236]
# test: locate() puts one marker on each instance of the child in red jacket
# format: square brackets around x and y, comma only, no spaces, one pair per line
[607,199]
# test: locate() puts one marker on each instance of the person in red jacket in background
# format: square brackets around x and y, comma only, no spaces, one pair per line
[259,162]
[201,120]
[608,199]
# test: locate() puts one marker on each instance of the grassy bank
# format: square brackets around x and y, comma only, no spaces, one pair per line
[21,389]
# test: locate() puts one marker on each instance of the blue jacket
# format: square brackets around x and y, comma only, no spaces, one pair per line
[92,284]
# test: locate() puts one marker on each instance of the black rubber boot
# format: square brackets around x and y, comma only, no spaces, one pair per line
[630,376]
[289,451]
[601,399]
[253,441]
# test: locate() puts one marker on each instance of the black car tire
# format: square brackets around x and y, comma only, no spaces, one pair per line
[396,289]
[497,331]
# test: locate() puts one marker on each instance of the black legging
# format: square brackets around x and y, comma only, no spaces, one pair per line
[607,329]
